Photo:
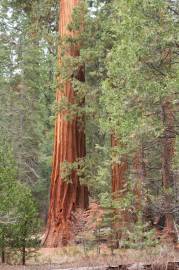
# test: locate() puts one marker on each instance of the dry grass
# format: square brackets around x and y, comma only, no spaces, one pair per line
[73,257]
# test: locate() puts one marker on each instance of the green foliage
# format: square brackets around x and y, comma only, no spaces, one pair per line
[27,226]
[129,50]
[140,236]
[19,221]
[28,56]
[138,78]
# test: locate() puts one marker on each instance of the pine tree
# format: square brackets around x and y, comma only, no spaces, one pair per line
[27,83]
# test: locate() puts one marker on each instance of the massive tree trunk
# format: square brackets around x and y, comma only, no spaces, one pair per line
[69,146]
[168,148]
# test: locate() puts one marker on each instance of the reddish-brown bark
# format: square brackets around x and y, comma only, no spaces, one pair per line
[168,148]
[69,146]
[118,171]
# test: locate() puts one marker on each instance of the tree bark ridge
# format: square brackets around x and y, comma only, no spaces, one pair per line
[69,146]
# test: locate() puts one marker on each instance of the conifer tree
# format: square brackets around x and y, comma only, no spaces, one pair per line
[69,145]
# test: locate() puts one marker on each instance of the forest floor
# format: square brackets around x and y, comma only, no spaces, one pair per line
[74,258]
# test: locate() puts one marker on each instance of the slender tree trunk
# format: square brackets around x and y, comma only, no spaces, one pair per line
[168,148]
[139,166]
[118,184]
[2,255]
[23,254]
[3,249]
[118,171]
[69,146]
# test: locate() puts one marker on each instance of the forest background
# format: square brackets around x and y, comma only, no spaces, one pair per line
[129,50]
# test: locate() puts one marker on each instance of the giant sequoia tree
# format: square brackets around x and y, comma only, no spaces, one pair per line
[116,122]
[69,147]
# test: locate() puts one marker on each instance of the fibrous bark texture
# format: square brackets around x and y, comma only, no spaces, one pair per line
[118,170]
[69,146]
